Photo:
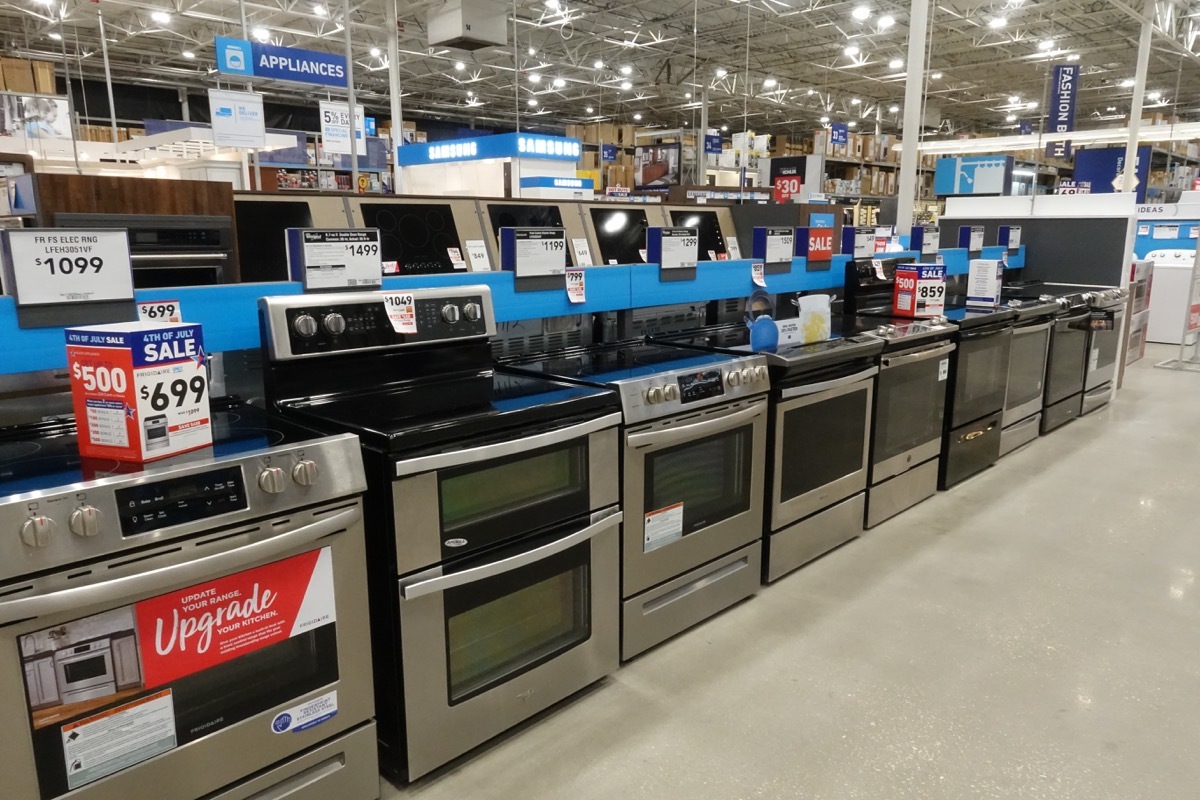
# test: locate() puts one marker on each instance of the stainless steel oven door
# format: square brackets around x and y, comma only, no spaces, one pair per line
[1104,349]
[693,490]
[495,639]
[1068,358]
[203,705]
[450,504]
[910,406]
[980,374]
[822,445]
[1026,372]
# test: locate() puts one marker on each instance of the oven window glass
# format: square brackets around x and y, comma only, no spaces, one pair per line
[1068,358]
[981,377]
[1105,345]
[517,494]
[86,668]
[711,240]
[823,442]
[502,626]
[710,477]
[910,407]
[1027,368]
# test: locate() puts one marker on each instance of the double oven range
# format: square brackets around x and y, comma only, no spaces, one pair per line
[192,628]
[493,511]
[819,440]
[693,461]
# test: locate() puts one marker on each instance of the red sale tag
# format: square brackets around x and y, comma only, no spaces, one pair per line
[787,187]
[820,244]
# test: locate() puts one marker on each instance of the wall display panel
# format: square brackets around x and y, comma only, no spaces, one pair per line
[714,224]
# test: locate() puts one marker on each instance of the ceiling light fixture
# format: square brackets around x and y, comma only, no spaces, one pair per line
[1073,57]
[894,110]
[262,34]
[1011,118]
[1046,44]
[770,83]
[722,72]
[559,83]
[854,101]
[1111,108]
[824,120]
[1127,83]
[935,76]
[590,110]
[811,92]
[896,63]
[861,13]
[552,5]
[886,21]
[637,117]
[535,78]
[687,95]
[995,23]
[626,70]
[851,124]
[375,52]
[1031,104]
[470,93]
[1153,95]
[458,65]
[319,10]
[531,102]
[161,17]
[188,54]
[598,64]
[1013,99]
[724,128]
[531,51]
[626,86]
[851,50]
[55,36]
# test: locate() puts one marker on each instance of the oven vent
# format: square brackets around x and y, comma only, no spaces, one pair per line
[530,337]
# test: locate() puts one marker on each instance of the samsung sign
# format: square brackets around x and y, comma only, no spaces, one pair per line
[549,182]
[1064,89]
[256,60]
[505,145]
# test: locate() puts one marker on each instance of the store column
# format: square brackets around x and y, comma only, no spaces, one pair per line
[394,89]
[910,136]
[1139,90]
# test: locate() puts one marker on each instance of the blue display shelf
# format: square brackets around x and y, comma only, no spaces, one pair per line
[1146,242]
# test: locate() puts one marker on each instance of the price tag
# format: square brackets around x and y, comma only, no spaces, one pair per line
[576,291]
[1166,232]
[864,242]
[1194,232]
[401,311]
[920,290]
[733,249]
[680,248]
[929,242]
[756,274]
[160,311]
[56,265]
[477,254]
[780,244]
[583,253]
[335,259]
[1014,237]
[456,259]
[539,251]
[943,369]
[976,240]
[1143,230]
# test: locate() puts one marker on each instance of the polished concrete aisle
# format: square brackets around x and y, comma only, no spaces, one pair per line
[1034,633]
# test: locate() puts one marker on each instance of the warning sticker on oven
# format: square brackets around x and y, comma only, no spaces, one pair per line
[308,714]
[663,527]
[109,742]
[943,369]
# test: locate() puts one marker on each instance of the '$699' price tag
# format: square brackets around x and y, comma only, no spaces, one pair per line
[163,394]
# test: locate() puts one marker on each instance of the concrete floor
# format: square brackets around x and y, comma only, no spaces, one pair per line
[1034,633]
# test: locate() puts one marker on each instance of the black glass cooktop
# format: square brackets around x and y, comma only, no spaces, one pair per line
[627,361]
[428,413]
[45,456]
[735,339]
[958,313]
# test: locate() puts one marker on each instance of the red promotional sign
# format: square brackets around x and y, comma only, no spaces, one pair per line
[1194,318]
[208,624]
[786,187]
[820,244]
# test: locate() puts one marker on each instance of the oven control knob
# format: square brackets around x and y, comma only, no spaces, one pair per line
[305,325]
[334,324]
[450,313]
[472,311]
[85,521]
[670,392]
[37,531]
[654,395]
[270,480]
[747,375]
[305,472]
[760,373]
[734,378]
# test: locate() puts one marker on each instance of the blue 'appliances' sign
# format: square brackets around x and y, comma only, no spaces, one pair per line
[256,60]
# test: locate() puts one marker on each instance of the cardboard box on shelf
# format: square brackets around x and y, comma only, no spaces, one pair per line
[590,160]
[43,77]
[627,134]
[18,75]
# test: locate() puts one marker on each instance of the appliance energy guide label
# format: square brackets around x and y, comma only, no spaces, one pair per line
[54,266]
[335,259]
[663,527]
[160,676]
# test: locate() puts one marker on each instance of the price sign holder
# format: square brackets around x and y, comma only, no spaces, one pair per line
[970,238]
[925,240]
[775,247]
[920,290]
[815,246]
[1009,236]
[859,241]
[675,250]
[68,276]
[537,257]
[330,260]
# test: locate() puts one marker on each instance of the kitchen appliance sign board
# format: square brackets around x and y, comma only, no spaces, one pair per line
[335,259]
[678,248]
[920,290]
[335,127]
[140,390]
[533,252]
[50,266]
[175,641]
[259,60]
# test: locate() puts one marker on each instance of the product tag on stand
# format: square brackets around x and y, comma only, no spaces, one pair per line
[534,252]
[678,248]
[583,253]
[780,245]
[326,260]
[456,259]
[58,266]
[733,249]
[756,274]
[160,311]
[576,290]
[401,311]
[920,290]
[477,254]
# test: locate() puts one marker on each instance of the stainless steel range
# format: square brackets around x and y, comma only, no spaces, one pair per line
[493,505]
[694,459]
[1026,372]
[1105,327]
[192,629]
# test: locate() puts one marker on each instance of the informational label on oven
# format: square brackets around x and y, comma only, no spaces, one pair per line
[477,254]
[538,252]
[114,689]
[109,742]
[576,288]
[401,310]
[49,266]
[583,253]
[943,369]
[1094,359]
[307,715]
[780,244]
[679,248]
[335,259]
[757,274]
[160,311]
[663,527]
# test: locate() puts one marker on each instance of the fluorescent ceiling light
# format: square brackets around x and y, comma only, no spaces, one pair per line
[851,124]
[935,76]
[894,110]
[626,70]
[886,21]
[188,54]
[851,50]
[262,34]
[854,101]
[637,117]
[161,17]
[896,63]
[1111,108]
[996,23]
[861,13]
[1046,44]
[626,86]
[770,83]
[55,36]
[458,65]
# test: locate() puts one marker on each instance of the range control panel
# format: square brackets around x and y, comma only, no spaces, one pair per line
[677,391]
[306,326]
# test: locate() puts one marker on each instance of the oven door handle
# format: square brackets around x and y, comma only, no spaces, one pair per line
[970,335]
[441,583]
[1025,330]
[897,361]
[695,430]
[836,383]
[164,578]
[511,447]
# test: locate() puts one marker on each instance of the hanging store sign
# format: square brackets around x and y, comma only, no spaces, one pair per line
[258,60]
[238,119]
[504,145]
[839,133]
[1063,90]
[972,175]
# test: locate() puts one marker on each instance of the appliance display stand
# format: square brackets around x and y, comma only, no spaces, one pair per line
[1189,342]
